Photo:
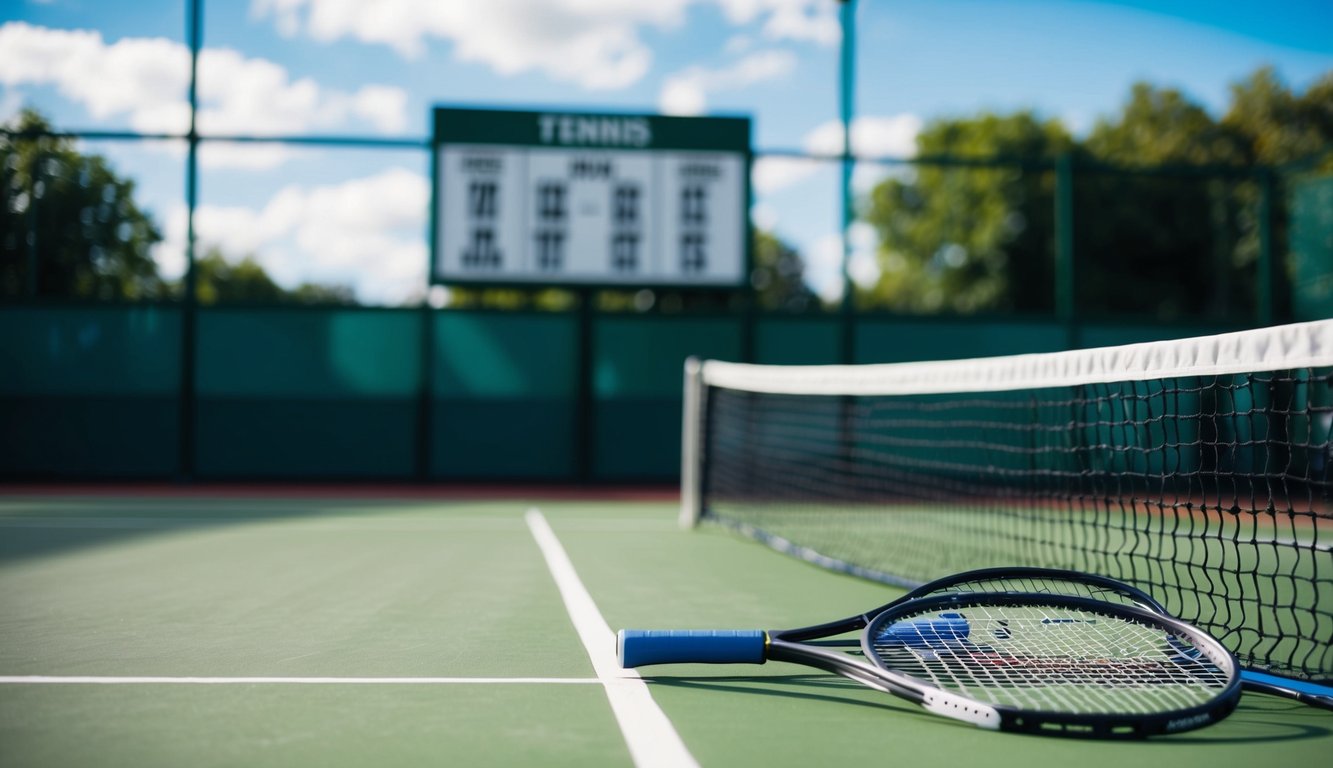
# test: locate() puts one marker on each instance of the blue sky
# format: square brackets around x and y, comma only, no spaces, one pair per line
[341,67]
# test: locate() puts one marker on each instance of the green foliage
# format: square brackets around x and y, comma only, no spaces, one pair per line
[1165,246]
[1279,126]
[70,228]
[1189,244]
[1161,126]
[777,275]
[218,280]
[68,225]
[1168,205]
[965,238]
[512,299]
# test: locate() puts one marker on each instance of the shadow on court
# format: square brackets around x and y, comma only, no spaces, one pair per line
[35,528]
[1259,718]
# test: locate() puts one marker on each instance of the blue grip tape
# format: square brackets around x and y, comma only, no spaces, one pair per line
[638,647]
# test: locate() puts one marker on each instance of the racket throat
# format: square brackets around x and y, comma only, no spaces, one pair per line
[948,705]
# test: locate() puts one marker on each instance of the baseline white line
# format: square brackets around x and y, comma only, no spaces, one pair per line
[109,680]
[652,740]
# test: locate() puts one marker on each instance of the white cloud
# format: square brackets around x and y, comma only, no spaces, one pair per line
[595,44]
[765,217]
[11,103]
[872,136]
[368,233]
[823,269]
[738,44]
[139,76]
[1078,122]
[146,80]
[773,173]
[243,156]
[814,21]
[383,106]
[256,96]
[682,96]
[686,92]
[864,262]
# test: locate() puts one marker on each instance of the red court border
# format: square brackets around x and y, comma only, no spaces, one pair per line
[413,492]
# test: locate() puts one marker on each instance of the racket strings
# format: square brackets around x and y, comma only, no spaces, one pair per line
[1042,658]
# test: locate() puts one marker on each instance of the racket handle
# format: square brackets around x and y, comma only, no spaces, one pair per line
[638,647]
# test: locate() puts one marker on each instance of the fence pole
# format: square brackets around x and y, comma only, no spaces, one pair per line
[1066,286]
[1264,279]
[847,92]
[189,308]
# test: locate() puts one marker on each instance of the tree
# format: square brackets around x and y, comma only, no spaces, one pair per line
[1295,132]
[69,226]
[218,280]
[1165,244]
[778,275]
[1161,126]
[963,237]
[1281,127]
[1189,243]
[1168,200]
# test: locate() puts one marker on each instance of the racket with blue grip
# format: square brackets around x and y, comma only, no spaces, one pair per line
[1069,654]
[747,645]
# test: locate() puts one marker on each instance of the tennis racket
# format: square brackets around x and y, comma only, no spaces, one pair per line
[1040,663]
[1065,582]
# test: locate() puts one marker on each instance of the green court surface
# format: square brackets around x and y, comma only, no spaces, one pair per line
[309,632]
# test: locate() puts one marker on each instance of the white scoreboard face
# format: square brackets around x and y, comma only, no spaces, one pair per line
[560,214]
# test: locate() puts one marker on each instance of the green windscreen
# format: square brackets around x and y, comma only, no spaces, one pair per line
[89,391]
[307,393]
[637,385]
[1110,334]
[1311,246]
[894,340]
[504,395]
[797,340]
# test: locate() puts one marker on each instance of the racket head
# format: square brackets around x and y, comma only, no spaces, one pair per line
[1058,664]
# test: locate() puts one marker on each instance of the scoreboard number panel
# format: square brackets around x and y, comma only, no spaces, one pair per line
[545,198]
[482,201]
[699,235]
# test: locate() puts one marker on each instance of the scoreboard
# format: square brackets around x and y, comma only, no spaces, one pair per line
[590,199]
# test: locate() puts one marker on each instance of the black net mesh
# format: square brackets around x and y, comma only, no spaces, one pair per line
[1211,493]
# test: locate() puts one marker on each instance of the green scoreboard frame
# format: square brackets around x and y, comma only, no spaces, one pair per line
[579,199]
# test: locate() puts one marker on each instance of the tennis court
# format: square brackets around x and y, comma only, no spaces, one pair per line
[326,628]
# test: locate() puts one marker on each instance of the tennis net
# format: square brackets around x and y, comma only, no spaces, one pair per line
[1198,470]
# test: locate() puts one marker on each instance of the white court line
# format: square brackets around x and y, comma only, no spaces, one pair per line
[108,680]
[652,740]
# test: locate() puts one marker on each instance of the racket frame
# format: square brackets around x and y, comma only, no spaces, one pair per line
[1007,718]
[1255,681]
[795,645]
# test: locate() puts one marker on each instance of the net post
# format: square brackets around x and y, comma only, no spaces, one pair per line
[691,448]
